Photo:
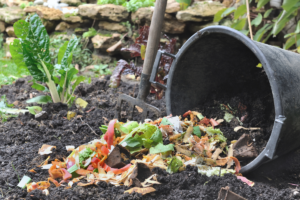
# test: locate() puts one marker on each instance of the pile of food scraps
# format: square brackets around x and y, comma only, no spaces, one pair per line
[127,153]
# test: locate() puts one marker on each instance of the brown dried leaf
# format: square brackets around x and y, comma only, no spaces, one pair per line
[142,191]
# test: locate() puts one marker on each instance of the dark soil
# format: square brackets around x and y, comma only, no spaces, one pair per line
[22,137]
[251,110]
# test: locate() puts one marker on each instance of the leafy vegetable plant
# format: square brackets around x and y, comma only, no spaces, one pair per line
[131,5]
[32,50]
[138,49]
[265,25]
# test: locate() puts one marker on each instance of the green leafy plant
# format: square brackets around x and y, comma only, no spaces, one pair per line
[24,5]
[102,69]
[92,32]
[265,25]
[6,110]
[115,2]
[131,5]
[81,56]
[67,15]
[32,50]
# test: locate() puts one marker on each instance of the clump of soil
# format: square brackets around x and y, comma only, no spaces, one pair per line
[21,138]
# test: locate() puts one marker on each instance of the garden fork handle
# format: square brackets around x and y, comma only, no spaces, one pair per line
[152,47]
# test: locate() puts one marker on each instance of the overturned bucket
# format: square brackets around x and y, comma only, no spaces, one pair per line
[222,60]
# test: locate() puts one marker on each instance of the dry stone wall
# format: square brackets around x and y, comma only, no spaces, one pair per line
[109,18]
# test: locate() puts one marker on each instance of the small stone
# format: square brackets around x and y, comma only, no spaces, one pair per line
[142,16]
[194,27]
[71,2]
[108,12]
[11,14]
[10,31]
[50,25]
[104,42]
[173,26]
[41,115]
[112,26]
[72,19]
[9,40]
[2,27]
[63,26]
[45,12]
[200,10]
[172,6]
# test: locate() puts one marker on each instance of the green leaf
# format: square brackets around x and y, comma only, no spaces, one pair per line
[68,53]
[165,121]
[291,41]
[289,35]
[245,32]
[228,11]
[34,109]
[134,142]
[288,4]
[40,99]
[228,117]
[257,20]
[36,49]
[216,134]
[267,13]
[239,25]
[240,11]
[284,18]
[61,52]
[39,87]
[129,126]
[160,148]
[260,33]
[103,128]
[218,15]
[21,29]
[157,137]
[16,51]
[261,3]
[174,165]
[298,27]
[197,131]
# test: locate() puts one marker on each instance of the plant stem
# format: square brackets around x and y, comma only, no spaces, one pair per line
[51,85]
[249,20]
[15,170]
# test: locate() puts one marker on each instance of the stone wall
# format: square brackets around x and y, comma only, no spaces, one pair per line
[108,19]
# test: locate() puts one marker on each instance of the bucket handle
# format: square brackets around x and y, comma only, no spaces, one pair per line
[155,68]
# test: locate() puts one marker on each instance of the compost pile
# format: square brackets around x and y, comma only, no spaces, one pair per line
[167,162]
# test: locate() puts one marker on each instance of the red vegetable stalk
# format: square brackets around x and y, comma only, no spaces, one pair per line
[110,133]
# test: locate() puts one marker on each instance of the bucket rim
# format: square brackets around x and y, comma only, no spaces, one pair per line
[269,152]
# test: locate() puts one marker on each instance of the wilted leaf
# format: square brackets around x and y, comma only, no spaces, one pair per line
[43,99]
[70,115]
[80,103]
[174,165]
[245,180]
[259,65]
[228,117]
[46,149]
[142,191]
[143,51]
[34,109]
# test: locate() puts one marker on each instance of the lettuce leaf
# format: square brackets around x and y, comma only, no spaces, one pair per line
[161,148]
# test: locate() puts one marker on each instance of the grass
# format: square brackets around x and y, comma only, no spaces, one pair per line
[9,71]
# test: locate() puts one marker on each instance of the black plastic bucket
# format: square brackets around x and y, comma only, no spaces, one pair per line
[217,56]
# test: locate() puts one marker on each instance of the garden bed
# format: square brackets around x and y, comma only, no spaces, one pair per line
[21,138]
